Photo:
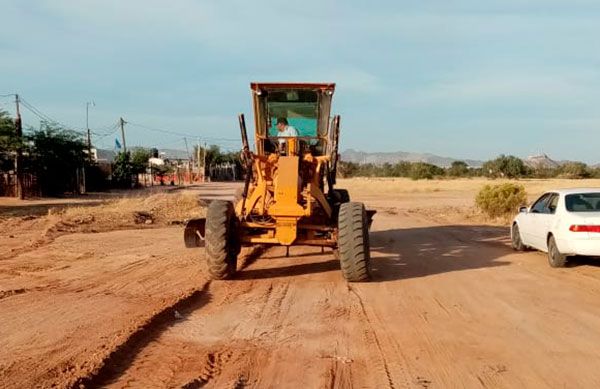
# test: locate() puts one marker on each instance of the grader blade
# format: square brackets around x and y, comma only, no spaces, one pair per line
[194,233]
[370,214]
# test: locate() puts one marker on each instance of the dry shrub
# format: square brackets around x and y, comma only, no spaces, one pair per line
[130,212]
[501,200]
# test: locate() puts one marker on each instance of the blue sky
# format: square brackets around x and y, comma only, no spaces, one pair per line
[468,79]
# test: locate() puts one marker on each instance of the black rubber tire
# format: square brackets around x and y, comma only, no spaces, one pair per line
[353,242]
[555,258]
[222,247]
[342,196]
[515,238]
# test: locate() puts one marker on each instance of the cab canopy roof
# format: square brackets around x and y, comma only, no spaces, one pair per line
[256,86]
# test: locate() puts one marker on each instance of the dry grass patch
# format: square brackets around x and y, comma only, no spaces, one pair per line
[376,186]
[448,200]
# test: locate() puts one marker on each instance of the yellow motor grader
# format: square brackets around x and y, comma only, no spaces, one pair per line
[288,197]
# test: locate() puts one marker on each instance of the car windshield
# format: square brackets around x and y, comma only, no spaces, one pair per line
[299,107]
[583,202]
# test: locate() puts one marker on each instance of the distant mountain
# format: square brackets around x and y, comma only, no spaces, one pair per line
[541,161]
[351,155]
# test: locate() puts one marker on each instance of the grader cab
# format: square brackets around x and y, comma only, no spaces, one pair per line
[288,197]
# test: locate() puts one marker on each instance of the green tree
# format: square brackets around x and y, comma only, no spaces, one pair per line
[422,170]
[55,155]
[543,172]
[9,143]
[458,169]
[347,169]
[402,169]
[139,160]
[507,166]
[122,171]
[574,170]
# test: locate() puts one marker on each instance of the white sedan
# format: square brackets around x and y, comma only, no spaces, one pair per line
[562,222]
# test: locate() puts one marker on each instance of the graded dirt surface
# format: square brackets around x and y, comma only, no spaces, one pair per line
[451,305]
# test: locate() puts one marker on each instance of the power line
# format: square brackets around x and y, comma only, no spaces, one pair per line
[183,134]
[108,130]
[45,117]
[51,120]
[102,136]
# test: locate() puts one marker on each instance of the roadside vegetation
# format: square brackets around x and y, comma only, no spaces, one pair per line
[54,161]
[504,166]
[502,200]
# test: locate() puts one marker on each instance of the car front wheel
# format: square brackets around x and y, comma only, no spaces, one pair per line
[515,238]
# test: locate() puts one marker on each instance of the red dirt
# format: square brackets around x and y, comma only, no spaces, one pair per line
[450,306]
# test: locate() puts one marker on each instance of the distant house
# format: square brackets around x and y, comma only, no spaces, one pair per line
[103,156]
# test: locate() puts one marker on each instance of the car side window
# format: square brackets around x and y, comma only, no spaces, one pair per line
[540,205]
[552,203]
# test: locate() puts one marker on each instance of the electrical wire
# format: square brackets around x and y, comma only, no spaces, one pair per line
[100,137]
[47,118]
[182,134]
[102,132]
[110,129]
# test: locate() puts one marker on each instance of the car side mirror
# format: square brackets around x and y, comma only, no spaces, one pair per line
[522,209]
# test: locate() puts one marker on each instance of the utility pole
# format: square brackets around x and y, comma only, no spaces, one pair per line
[187,165]
[122,123]
[204,163]
[87,126]
[18,158]
[198,158]
[187,150]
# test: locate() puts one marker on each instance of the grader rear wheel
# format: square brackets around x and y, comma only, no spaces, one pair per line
[222,246]
[353,242]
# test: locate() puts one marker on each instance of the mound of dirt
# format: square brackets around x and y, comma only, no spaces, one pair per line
[126,213]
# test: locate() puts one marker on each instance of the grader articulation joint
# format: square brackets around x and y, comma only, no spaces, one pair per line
[289,197]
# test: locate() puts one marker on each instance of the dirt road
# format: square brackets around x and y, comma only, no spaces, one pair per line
[450,306]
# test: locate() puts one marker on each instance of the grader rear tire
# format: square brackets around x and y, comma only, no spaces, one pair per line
[353,242]
[222,245]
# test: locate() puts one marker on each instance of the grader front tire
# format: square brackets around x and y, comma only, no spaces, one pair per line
[353,242]
[221,240]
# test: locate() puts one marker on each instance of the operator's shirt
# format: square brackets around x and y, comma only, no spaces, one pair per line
[288,131]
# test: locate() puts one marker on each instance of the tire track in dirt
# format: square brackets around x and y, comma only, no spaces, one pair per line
[214,363]
[169,357]
[132,349]
[120,358]
[373,334]
[242,335]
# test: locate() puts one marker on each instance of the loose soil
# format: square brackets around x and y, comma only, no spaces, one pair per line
[451,305]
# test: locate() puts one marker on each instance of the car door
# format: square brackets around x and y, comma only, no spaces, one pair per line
[529,222]
[543,221]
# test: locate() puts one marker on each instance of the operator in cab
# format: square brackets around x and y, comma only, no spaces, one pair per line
[285,129]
